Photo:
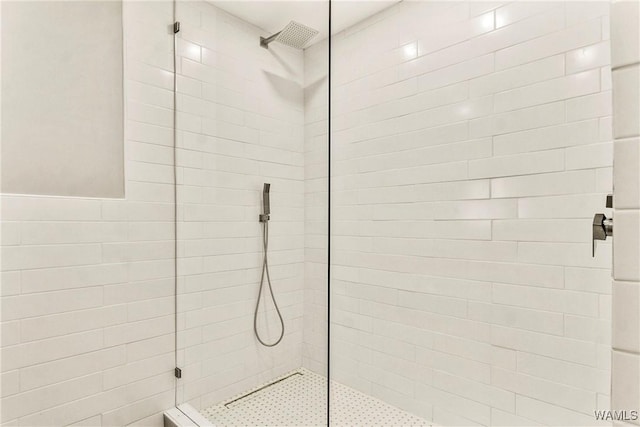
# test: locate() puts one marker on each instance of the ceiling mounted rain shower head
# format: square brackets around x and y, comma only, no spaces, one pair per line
[294,35]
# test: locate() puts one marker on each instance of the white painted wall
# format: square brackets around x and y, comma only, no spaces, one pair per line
[625,61]
[88,283]
[471,146]
[240,124]
[67,79]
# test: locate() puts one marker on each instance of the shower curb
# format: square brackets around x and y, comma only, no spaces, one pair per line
[185,415]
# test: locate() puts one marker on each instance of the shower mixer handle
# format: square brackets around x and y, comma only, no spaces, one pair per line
[601,227]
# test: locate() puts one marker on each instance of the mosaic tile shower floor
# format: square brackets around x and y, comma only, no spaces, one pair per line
[299,399]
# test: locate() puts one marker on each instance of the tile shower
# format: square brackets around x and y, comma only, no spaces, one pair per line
[470,145]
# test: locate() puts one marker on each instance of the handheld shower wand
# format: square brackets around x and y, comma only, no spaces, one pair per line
[264,219]
[266,208]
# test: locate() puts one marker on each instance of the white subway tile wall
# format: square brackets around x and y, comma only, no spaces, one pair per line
[240,123]
[87,284]
[625,52]
[471,146]
[316,90]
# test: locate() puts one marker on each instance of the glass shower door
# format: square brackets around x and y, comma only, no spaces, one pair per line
[251,136]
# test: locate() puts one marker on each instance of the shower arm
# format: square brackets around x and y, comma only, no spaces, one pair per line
[264,42]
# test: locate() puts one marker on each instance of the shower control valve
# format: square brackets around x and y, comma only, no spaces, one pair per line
[602,227]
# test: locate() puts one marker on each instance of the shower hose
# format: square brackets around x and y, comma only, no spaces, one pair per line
[265,272]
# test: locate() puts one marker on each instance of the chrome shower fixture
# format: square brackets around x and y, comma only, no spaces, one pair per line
[264,219]
[266,206]
[294,35]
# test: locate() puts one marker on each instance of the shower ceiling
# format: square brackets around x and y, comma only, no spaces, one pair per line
[272,15]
